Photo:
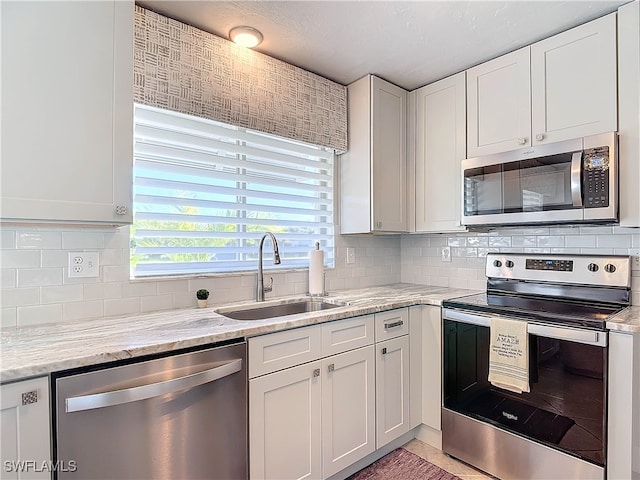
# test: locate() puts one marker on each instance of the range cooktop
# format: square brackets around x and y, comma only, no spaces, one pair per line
[543,309]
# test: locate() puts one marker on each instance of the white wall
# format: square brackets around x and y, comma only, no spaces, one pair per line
[35,288]
[422,263]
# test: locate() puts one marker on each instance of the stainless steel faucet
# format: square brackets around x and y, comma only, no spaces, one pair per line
[260,288]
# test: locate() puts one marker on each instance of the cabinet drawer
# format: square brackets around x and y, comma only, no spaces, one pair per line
[391,324]
[269,353]
[343,335]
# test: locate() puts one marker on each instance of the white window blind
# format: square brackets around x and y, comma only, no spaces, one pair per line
[206,192]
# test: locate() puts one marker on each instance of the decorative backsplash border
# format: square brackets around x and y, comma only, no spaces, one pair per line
[184,69]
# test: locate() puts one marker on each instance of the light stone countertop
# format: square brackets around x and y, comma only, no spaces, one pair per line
[39,350]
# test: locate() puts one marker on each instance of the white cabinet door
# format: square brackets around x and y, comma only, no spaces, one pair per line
[573,82]
[499,104]
[67,111]
[285,424]
[629,112]
[388,127]
[25,428]
[392,389]
[440,147]
[373,170]
[348,408]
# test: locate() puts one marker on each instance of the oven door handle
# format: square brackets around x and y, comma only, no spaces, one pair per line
[588,337]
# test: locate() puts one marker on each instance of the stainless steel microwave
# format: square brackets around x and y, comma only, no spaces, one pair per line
[574,181]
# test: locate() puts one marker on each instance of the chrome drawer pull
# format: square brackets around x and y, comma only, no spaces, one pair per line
[399,323]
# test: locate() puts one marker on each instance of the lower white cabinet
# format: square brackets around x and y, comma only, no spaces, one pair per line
[350,397]
[348,409]
[314,419]
[392,389]
[25,445]
[285,424]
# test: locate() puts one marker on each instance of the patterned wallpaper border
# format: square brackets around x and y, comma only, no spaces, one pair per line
[182,68]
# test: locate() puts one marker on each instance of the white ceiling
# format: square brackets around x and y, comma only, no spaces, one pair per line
[409,43]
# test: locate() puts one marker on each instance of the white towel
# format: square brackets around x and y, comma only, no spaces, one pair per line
[509,355]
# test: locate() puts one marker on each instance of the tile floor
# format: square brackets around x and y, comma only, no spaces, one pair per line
[437,457]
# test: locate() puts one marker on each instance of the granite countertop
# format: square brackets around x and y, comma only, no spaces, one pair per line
[39,350]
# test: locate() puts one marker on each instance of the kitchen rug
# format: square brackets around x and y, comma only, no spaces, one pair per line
[401,464]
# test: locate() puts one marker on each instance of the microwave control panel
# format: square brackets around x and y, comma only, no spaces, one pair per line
[595,177]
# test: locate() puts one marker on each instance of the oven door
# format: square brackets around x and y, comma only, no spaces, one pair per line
[557,430]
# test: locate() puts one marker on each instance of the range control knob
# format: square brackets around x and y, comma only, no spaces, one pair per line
[509,264]
[592,267]
[497,263]
[609,268]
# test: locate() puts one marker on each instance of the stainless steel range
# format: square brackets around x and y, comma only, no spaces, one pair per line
[525,366]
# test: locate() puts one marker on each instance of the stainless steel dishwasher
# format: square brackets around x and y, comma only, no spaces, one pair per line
[177,417]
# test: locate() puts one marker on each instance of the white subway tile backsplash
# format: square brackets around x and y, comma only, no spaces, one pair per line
[8,317]
[38,314]
[55,258]
[102,291]
[19,258]
[7,239]
[61,294]
[581,241]
[18,297]
[8,278]
[379,260]
[39,240]
[122,306]
[37,277]
[614,241]
[549,241]
[82,240]
[156,303]
[81,310]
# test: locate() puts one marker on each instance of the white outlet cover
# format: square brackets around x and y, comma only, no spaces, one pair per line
[635,259]
[84,264]
[446,254]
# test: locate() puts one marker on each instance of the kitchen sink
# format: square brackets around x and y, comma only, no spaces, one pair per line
[263,311]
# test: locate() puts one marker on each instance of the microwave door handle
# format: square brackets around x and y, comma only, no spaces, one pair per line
[576,179]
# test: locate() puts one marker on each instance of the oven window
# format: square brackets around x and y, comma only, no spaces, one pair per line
[533,185]
[565,408]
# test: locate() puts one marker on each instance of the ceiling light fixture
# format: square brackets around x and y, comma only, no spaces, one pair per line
[245,36]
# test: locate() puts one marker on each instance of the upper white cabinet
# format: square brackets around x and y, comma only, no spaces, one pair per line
[440,143]
[560,88]
[373,170]
[67,111]
[25,429]
[499,104]
[629,112]
[573,82]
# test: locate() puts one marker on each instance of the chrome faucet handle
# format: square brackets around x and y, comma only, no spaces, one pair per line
[269,287]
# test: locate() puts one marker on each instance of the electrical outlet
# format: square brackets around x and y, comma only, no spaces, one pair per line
[635,259]
[446,254]
[84,264]
[351,255]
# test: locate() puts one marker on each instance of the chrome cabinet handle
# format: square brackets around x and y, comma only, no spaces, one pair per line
[143,392]
[384,351]
[316,372]
[331,367]
[522,140]
[121,209]
[399,323]
[540,137]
